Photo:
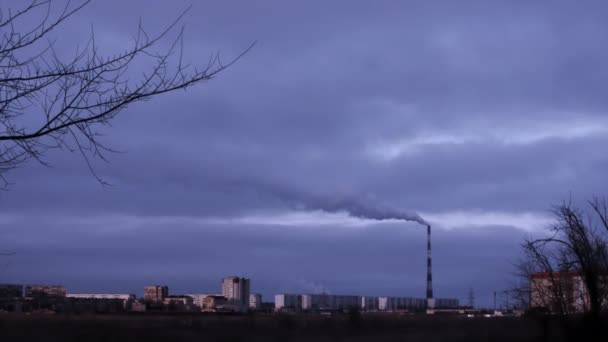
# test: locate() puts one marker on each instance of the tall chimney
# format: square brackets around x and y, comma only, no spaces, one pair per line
[429,272]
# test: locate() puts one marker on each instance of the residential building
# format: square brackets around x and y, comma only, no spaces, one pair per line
[563,292]
[185,300]
[236,290]
[345,302]
[214,303]
[199,298]
[401,304]
[11,291]
[255,301]
[95,304]
[446,303]
[330,302]
[287,302]
[369,303]
[156,293]
[308,302]
[321,302]
[37,291]
[125,298]
[121,296]
[138,306]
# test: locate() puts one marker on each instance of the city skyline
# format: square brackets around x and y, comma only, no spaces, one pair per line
[395,285]
[234,292]
[158,292]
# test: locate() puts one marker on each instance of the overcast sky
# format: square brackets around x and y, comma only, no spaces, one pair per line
[478,115]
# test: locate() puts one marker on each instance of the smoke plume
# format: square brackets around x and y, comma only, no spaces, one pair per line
[366,210]
[356,208]
[311,287]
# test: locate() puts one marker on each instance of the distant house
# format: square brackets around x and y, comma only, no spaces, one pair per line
[563,292]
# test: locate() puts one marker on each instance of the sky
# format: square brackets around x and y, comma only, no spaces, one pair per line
[477,115]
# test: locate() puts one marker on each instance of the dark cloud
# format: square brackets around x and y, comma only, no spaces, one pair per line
[451,107]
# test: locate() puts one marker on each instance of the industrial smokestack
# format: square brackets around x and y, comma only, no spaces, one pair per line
[430,302]
[365,210]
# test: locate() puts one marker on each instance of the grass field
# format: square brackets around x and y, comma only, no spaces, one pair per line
[274,328]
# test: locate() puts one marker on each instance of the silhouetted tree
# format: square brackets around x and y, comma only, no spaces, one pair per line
[566,272]
[51,102]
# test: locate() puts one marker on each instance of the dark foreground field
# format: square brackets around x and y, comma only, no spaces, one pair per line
[275,328]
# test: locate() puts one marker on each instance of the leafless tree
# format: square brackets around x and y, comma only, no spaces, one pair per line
[573,261]
[50,102]
[566,272]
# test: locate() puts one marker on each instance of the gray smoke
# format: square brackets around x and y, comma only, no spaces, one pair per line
[311,287]
[365,210]
[354,207]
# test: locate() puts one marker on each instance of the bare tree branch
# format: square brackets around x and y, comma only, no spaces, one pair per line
[48,102]
[572,263]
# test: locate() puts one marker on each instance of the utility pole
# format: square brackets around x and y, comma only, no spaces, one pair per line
[471,297]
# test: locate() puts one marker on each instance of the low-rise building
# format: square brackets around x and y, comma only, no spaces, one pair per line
[558,292]
[124,297]
[11,291]
[199,298]
[138,306]
[11,297]
[446,303]
[345,302]
[180,303]
[38,291]
[327,302]
[401,304]
[214,303]
[330,302]
[178,300]
[93,305]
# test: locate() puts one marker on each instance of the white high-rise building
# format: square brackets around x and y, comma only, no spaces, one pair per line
[255,301]
[287,302]
[306,302]
[236,290]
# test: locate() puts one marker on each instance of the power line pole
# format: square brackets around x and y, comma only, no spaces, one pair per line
[471,297]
